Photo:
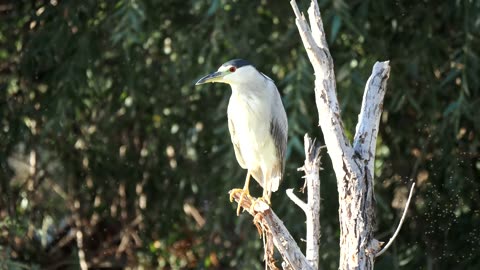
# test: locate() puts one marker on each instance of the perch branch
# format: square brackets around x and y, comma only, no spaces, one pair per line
[266,219]
[399,224]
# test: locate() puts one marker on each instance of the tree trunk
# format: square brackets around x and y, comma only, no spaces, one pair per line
[353,165]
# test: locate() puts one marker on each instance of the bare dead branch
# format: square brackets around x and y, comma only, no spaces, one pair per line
[399,224]
[266,220]
[354,172]
[317,25]
[325,88]
[366,133]
[297,200]
[312,170]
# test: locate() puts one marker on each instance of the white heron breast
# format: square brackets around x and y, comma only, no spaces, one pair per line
[251,117]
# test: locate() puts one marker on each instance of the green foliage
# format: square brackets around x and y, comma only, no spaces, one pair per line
[104,132]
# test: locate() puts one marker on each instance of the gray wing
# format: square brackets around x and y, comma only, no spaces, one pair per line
[279,132]
[236,145]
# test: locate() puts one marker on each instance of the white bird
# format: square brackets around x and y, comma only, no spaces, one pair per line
[257,123]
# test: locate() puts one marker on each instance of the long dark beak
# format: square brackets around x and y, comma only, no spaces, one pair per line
[210,78]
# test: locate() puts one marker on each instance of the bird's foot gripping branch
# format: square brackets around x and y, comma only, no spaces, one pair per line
[257,208]
[274,233]
[247,202]
[242,193]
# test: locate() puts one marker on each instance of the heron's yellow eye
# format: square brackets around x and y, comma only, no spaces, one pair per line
[232,69]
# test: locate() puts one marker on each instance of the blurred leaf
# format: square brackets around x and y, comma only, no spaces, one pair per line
[451,107]
[213,7]
[450,77]
[335,28]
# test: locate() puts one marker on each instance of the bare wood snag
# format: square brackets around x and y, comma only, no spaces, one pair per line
[353,164]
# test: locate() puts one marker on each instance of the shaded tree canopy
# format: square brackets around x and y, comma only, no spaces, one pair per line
[103,132]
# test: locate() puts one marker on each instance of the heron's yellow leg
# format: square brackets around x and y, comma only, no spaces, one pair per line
[244,192]
[266,195]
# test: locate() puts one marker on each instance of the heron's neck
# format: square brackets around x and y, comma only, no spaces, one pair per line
[257,88]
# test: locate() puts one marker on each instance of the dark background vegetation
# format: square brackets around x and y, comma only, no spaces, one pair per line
[104,135]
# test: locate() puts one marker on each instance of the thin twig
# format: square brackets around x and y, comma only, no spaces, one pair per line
[399,225]
[297,200]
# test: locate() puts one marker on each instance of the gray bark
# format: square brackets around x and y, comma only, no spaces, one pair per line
[353,165]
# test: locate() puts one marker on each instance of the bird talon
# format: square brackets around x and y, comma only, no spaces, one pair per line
[243,193]
[233,192]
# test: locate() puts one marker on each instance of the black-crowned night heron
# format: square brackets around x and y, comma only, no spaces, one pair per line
[257,123]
